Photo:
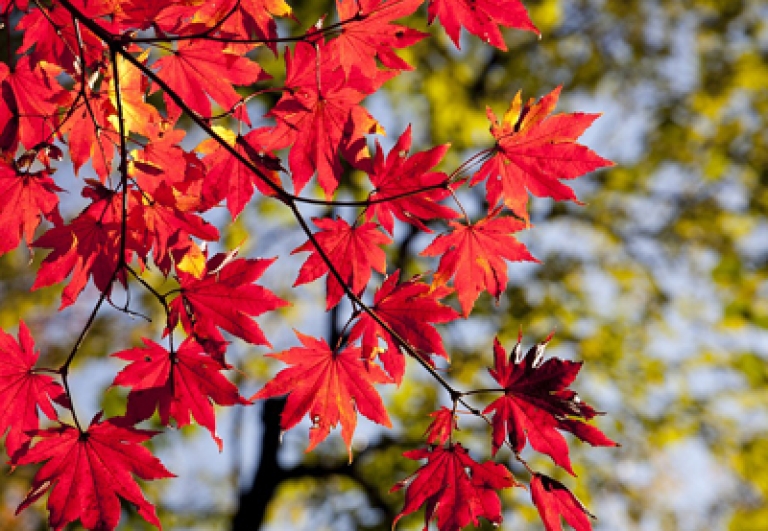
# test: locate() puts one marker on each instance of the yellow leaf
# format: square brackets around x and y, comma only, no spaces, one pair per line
[193,262]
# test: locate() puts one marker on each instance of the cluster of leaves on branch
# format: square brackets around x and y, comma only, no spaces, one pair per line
[80,82]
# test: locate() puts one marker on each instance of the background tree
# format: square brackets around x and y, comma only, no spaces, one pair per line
[664,296]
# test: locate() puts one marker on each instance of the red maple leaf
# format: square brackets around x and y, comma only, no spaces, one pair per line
[178,384]
[456,489]
[30,97]
[87,472]
[536,403]
[225,296]
[246,18]
[138,115]
[439,430]
[163,162]
[534,151]
[89,246]
[199,68]
[329,385]
[165,227]
[410,309]
[481,18]
[554,500]
[92,135]
[53,37]
[475,255]
[22,391]
[320,116]
[24,199]
[164,216]
[415,191]
[140,14]
[353,251]
[9,117]
[230,179]
[369,34]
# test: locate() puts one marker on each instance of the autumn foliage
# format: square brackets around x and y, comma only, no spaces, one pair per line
[106,83]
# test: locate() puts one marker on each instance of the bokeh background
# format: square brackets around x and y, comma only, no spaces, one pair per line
[659,283]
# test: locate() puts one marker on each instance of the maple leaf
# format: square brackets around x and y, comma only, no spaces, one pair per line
[481,18]
[368,34]
[140,14]
[320,117]
[410,309]
[410,178]
[87,472]
[198,69]
[554,500]
[9,118]
[29,100]
[138,115]
[534,151]
[166,228]
[246,18]
[456,489]
[178,384]
[88,246]
[24,199]
[225,296]
[52,37]
[353,252]
[230,179]
[23,391]
[92,135]
[475,255]
[536,403]
[329,385]
[439,430]
[163,162]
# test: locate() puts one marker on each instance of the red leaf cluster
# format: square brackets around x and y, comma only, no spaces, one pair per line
[330,386]
[455,488]
[104,84]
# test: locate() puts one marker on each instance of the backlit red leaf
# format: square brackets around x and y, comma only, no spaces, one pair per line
[534,151]
[53,38]
[198,69]
[25,198]
[475,254]
[413,189]
[248,19]
[92,136]
[411,309]
[178,384]
[88,247]
[481,18]
[456,489]
[353,251]
[370,34]
[554,501]
[330,386]
[440,429]
[230,179]
[537,403]
[30,97]
[23,391]
[320,117]
[88,473]
[225,297]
